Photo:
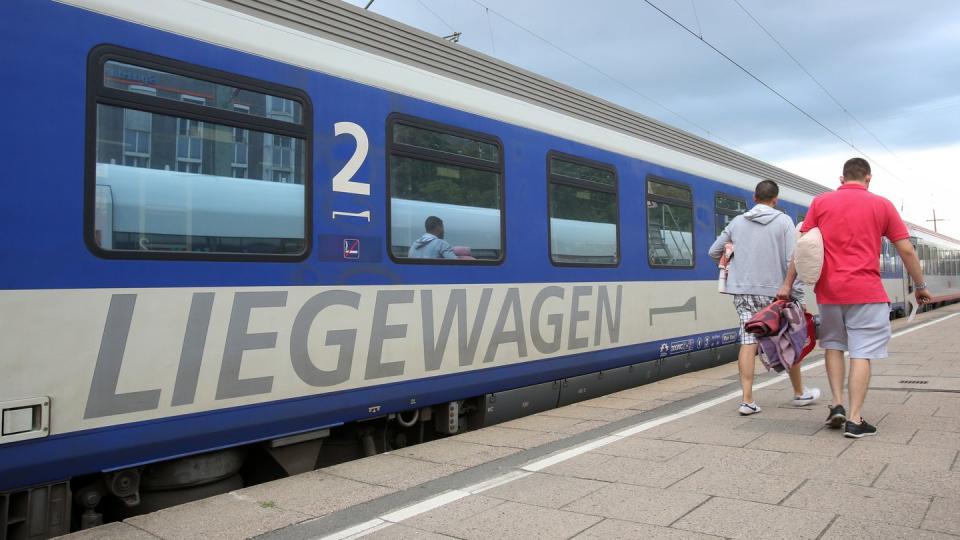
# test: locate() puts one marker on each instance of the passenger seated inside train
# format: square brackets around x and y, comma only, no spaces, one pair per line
[464,253]
[432,245]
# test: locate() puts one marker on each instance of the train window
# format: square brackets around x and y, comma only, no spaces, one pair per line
[584,212]
[727,208]
[190,163]
[669,224]
[446,193]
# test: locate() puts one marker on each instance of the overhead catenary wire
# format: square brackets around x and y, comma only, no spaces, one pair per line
[435,14]
[606,75]
[771,89]
[815,80]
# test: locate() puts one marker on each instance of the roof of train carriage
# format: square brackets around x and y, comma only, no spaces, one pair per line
[344,23]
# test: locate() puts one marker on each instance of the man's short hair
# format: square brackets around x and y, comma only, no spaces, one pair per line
[766,190]
[856,169]
[432,223]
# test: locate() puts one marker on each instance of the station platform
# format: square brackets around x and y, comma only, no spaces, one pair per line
[671,459]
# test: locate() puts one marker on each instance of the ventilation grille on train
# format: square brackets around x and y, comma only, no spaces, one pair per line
[34,513]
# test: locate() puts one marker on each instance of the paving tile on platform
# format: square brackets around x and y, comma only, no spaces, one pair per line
[861,502]
[625,470]
[226,516]
[805,426]
[542,422]
[919,480]
[823,443]
[865,450]
[443,518]
[846,527]
[111,531]
[950,409]
[742,485]
[708,455]
[637,503]
[622,403]
[749,520]
[392,471]
[825,468]
[521,521]
[627,530]
[648,449]
[513,438]
[401,532]
[545,490]
[581,412]
[892,397]
[944,515]
[916,421]
[313,493]
[455,452]
[937,439]
[716,435]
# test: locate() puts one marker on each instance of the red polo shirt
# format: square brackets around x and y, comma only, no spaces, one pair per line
[852,221]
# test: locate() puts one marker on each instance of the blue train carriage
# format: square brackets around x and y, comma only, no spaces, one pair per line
[209,279]
[940,260]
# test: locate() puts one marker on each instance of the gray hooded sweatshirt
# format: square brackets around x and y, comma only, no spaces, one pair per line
[763,240]
[429,246]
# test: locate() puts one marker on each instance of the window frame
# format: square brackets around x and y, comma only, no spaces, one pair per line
[99,94]
[693,223]
[718,211]
[425,154]
[577,183]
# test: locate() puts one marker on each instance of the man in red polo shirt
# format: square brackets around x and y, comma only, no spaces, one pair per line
[854,308]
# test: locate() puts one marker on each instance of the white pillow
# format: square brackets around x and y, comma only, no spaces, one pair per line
[808,256]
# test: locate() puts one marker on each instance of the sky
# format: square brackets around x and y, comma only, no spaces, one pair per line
[878,79]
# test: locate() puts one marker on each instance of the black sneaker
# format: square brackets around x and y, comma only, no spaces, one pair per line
[836,417]
[855,431]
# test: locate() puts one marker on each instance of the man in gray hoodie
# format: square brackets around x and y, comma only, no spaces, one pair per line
[763,240]
[432,245]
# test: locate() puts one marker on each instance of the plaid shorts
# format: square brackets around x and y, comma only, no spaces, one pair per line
[747,306]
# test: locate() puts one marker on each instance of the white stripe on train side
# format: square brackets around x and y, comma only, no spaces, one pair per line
[127,355]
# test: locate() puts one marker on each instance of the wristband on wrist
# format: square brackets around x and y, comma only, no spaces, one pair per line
[920,286]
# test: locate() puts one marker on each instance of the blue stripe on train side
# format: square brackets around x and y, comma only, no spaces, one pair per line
[47,240]
[116,447]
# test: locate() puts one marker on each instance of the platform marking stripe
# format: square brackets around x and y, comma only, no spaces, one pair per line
[425,506]
[564,455]
[437,501]
[497,481]
[924,325]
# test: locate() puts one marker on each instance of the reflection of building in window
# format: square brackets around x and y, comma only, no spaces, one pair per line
[278,161]
[279,108]
[241,147]
[583,211]
[137,130]
[669,224]
[727,208]
[190,140]
[450,174]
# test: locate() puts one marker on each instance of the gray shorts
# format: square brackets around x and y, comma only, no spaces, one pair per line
[861,329]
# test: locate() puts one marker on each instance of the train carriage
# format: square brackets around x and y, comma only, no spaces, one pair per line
[210,214]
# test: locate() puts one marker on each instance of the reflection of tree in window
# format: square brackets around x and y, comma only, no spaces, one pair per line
[669,224]
[421,180]
[583,213]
